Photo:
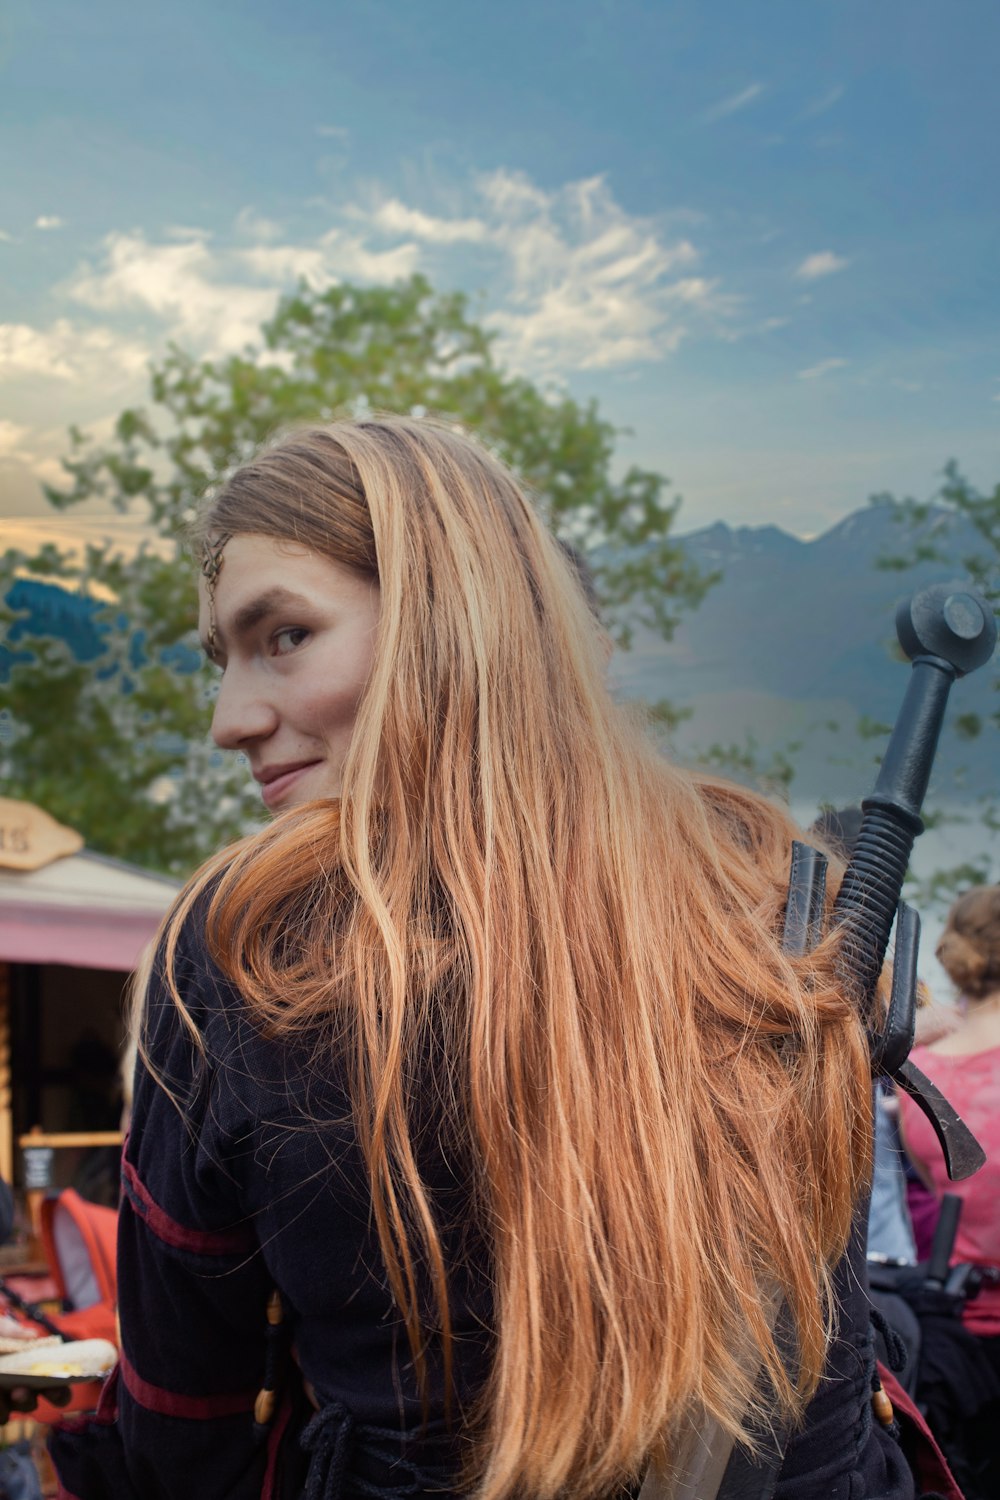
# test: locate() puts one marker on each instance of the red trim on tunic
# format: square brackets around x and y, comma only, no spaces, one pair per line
[932,1468]
[173,1404]
[198,1241]
[273,1445]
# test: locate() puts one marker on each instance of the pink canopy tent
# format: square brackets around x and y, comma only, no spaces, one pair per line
[73,911]
[83,910]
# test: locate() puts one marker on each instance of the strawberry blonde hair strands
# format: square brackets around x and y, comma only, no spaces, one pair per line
[665,1113]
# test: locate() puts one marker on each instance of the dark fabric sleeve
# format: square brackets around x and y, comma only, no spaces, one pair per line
[842,1452]
[192,1285]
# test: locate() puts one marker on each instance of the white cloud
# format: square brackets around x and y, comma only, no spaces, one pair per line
[5,238]
[48,221]
[12,435]
[333,132]
[214,300]
[512,193]
[187,232]
[288,263]
[732,104]
[67,352]
[588,285]
[825,367]
[395,218]
[180,284]
[823,263]
[19,445]
[574,281]
[348,255]
[257,227]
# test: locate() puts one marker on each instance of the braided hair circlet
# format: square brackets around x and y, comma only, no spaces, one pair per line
[211,566]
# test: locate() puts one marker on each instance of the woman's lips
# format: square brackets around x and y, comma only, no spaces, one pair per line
[274,791]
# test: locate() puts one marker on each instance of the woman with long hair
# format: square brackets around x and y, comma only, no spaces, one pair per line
[480,1072]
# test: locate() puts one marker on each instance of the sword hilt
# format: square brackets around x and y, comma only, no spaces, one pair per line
[948,630]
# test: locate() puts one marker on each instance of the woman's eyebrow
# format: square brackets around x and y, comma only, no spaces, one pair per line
[250,614]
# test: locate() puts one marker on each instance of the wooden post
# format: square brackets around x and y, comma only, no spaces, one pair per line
[6,1120]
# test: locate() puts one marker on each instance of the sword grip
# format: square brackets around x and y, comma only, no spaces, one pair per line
[869,894]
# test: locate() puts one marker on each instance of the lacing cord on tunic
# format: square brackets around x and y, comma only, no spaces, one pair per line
[328,1439]
[342,1449]
[896,1358]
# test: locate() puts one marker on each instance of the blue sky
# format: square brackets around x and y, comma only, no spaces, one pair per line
[763,236]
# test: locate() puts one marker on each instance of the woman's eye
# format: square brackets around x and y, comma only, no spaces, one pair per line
[284,641]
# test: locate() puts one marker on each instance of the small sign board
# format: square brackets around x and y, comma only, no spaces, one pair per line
[38,1168]
[30,838]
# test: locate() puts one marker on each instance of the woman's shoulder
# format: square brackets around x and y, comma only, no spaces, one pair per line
[188,1003]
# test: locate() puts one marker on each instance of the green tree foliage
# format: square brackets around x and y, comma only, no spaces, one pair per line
[959,527]
[117,747]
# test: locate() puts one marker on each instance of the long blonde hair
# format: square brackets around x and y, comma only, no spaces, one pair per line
[665,1113]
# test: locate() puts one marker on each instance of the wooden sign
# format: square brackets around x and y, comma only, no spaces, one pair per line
[29,838]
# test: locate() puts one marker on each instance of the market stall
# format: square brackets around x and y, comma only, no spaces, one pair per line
[72,927]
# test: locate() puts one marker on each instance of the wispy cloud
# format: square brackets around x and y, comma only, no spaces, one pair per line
[178,283]
[333,132]
[578,283]
[823,103]
[214,299]
[575,281]
[19,446]
[395,218]
[48,221]
[5,238]
[335,256]
[823,263]
[12,435]
[257,227]
[733,104]
[825,367]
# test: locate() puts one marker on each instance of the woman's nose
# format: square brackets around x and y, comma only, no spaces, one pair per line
[242,715]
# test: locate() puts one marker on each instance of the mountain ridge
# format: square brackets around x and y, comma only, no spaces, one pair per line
[798,636]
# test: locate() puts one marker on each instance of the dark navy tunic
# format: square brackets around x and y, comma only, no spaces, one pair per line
[249,1179]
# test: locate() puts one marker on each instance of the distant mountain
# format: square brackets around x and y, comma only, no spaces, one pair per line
[797,637]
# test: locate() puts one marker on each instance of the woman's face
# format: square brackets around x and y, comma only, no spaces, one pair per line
[294,634]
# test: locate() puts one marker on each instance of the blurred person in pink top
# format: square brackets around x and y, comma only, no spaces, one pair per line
[959,1380]
[965,1065]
